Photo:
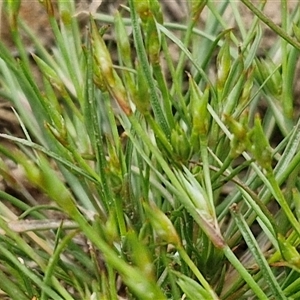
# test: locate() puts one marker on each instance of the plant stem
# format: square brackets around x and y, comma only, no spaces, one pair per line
[271,24]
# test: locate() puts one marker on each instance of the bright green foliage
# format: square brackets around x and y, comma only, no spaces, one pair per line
[162,164]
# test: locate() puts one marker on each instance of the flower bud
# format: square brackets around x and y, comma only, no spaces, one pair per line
[110,77]
[111,228]
[260,146]
[180,144]
[197,7]
[240,139]
[140,255]
[267,70]
[142,101]
[143,9]
[155,7]
[223,62]
[98,78]
[199,112]
[101,55]
[60,135]
[66,10]
[150,14]
[49,73]
[247,86]
[153,41]
[289,252]
[162,225]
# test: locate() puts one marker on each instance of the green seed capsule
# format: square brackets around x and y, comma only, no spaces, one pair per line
[224,62]
[109,76]
[153,41]
[198,109]
[143,9]
[49,73]
[267,70]
[240,140]
[197,7]
[162,225]
[142,101]
[247,86]
[180,144]
[289,252]
[155,8]
[101,55]
[260,147]
[141,255]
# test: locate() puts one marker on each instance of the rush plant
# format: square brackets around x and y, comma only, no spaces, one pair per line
[161,163]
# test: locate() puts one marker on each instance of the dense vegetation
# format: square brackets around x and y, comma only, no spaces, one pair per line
[159,163]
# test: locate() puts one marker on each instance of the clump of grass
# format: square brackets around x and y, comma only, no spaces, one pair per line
[166,182]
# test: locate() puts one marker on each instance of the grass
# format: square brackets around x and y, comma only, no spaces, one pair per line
[146,177]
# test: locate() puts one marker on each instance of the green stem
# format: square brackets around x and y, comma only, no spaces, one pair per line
[142,56]
[72,66]
[193,19]
[159,134]
[287,97]
[271,24]
[52,264]
[196,271]
[131,275]
[206,171]
[166,98]
[244,274]
[282,202]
